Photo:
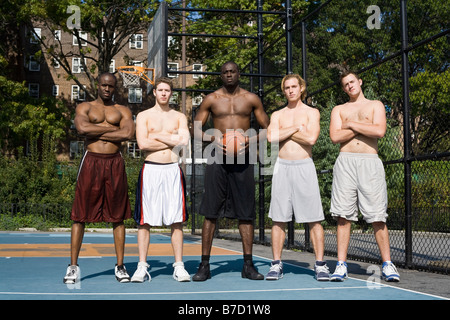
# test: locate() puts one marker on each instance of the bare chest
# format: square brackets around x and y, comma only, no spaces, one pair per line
[159,123]
[108,114]
[231,106]
[357,113]
[295,118]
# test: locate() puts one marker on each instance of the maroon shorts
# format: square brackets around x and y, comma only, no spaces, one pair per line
[101,193]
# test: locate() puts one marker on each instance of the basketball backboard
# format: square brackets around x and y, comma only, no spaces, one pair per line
[157,43]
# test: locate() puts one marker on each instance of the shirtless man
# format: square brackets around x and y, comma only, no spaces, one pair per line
[102,189]
[358,174]
[160,196]
[229,188]
[295,188]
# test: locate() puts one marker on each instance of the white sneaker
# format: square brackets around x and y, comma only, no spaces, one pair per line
[141,273]
[179,273]
[72,274]
[390,273]
[275,271]
[121,274]
[340,273]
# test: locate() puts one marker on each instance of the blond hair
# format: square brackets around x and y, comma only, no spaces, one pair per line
[300,80]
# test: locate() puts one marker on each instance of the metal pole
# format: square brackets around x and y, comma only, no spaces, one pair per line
[259,4]
[304,76]
[289,69]
[406,135]
[183,61]
[288,37]
[193,191]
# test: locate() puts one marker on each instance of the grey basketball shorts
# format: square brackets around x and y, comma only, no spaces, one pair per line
[359,182]
[295,191]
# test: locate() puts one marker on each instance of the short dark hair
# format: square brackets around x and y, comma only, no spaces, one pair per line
[347,73]
[231,62]
[104,74]
[166,80]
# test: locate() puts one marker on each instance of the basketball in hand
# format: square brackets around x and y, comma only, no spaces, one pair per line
[234,142]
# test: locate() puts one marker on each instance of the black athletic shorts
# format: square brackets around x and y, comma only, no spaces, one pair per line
[229,191]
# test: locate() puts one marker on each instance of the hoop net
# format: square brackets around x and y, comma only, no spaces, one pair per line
[132,75]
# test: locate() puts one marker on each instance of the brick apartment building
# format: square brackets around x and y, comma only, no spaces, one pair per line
[45,76]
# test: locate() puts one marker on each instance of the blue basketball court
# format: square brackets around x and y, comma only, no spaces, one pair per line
[33,265]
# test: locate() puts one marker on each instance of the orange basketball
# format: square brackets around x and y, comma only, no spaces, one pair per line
[234,141]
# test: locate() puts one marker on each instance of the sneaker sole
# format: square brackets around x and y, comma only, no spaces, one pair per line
[126,280]
[323,279]
[272,278]
[338,278]
[391,279]
[69,281]
[183,279]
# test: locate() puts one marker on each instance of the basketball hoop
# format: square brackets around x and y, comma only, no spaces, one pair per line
[132,75]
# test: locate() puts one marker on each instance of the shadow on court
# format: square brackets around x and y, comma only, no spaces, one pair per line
[40,277]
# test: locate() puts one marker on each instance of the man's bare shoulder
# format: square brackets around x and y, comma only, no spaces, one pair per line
[312,112]
[340,106]
[178,114]
[247,93]
[376,103]
[214,95]
[307,108]
[144,114]
[84,105]
[123,109]
[277,113]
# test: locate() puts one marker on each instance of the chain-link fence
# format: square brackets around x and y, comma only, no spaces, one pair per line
[400,50]
[378,39]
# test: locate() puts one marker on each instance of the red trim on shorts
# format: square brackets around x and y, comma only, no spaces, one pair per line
[184,200]
[140,198]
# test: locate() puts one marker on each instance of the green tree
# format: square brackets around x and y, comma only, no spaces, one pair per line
[109,25]
[214,51]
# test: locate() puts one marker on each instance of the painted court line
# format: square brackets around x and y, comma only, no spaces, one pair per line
[181,292]
[220,251]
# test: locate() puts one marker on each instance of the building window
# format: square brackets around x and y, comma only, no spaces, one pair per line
[76,65]
[112,66]
[172,66]
[133,150]
[35,36]
[197,100]
[55,63]
[76,149]
[199,68]
[137,41]
[55,90]
[78,94]
[135,95]
[174,98]
[33,90]
[83,36]
[114,37]
[33,65]
[57,35]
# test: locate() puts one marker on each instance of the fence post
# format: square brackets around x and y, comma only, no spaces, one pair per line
[259,4]
[288,37]
[406,135]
